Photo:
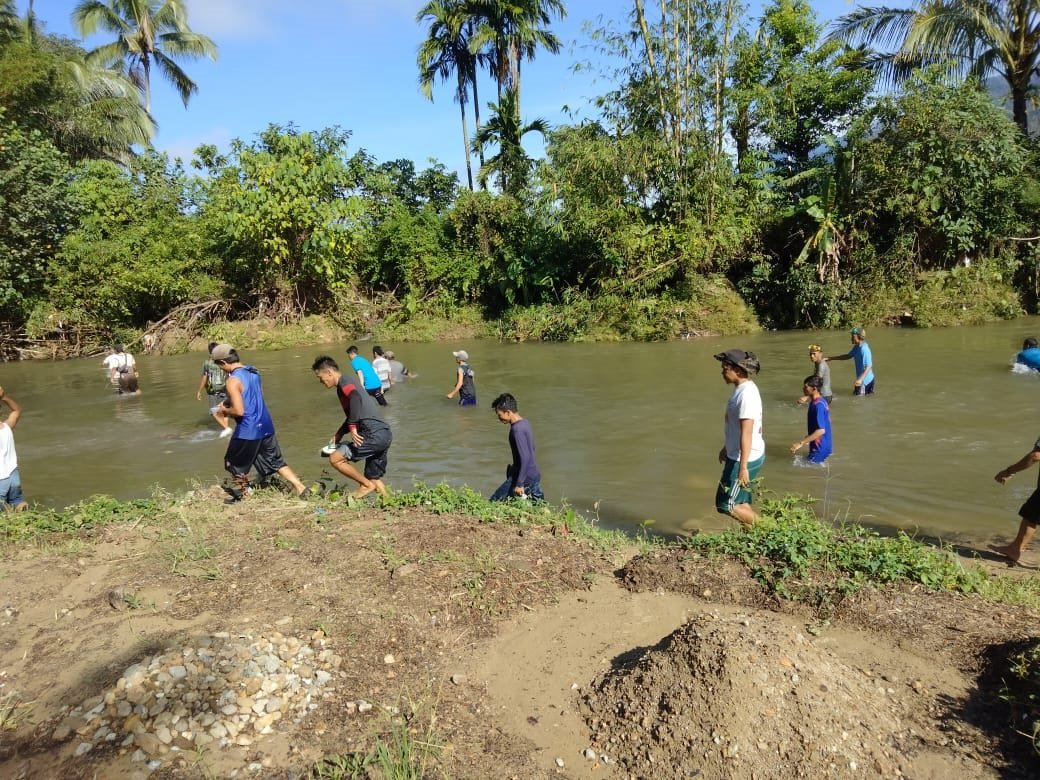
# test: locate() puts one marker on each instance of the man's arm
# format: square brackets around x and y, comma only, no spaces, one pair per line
[458,385]
[234,406]
[747,427]
[1031,457]
[525,452]
[817,434]
[16,409]
[202,386]
[831,359]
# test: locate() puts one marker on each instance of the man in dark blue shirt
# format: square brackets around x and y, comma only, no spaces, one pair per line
[523,478]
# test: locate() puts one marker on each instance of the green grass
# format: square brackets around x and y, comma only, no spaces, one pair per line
[90,513]
[798,557]
[1022,692]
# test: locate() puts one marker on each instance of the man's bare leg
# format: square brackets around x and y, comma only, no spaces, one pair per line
[1014,550]
[347,469]
[289,476]
[744,514]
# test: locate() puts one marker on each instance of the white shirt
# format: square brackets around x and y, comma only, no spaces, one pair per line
[8,457]
[382,367]
[119,359]
[744,404]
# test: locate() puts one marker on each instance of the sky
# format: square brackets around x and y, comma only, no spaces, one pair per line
[351,63]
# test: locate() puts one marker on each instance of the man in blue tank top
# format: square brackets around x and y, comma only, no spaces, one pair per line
[253,443]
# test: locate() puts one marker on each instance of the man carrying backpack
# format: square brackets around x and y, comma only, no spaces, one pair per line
[213,382]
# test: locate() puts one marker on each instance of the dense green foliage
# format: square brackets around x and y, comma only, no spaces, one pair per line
[739,171]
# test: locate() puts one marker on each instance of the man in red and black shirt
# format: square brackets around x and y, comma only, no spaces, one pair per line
[364,434]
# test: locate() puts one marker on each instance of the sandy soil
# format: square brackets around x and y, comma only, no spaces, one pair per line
[505,651]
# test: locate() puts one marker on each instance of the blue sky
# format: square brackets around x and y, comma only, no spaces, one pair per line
[351,63]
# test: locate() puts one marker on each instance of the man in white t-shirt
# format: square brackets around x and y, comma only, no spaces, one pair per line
[10,481]
[381,365]
[745,449]
[122,370]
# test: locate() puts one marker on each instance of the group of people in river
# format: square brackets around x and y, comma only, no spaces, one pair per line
[236,402]
[743,452]
[235,393]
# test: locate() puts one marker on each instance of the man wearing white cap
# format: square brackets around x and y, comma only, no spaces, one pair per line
[464,385]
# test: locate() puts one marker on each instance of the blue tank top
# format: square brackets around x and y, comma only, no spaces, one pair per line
[256,422]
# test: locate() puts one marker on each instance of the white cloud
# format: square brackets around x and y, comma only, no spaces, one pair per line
[234,19]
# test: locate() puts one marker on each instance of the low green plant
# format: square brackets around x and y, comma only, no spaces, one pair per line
[799,557]
[13,711]
[90,513]
[341,766]
[1021,690]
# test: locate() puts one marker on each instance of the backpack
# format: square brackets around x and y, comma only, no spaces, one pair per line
[216,378]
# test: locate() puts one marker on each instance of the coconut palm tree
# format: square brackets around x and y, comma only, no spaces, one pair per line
[148,32]
[511,31]
[446,52]
[511,163]
[970,37]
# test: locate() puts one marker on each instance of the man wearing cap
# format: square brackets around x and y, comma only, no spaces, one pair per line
[823,371]
[253,443]
[745,449]
[398,371]
[860,352]
[464,385]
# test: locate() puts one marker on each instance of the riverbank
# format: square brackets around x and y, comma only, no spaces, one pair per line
[180,637]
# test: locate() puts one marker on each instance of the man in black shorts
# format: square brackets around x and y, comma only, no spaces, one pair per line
[363,434]
[1030,511]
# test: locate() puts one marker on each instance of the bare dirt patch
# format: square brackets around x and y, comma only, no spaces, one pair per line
[499,649]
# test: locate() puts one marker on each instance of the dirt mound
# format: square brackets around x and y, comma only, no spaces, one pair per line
[747,697]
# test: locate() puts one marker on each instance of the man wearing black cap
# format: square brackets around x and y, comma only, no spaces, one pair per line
[745,450]
[253,444]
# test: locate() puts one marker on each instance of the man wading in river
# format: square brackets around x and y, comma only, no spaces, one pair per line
[745,450]
[253,442]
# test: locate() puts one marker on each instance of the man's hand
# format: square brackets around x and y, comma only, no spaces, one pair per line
[1002,476]
[743,477]
[356,438]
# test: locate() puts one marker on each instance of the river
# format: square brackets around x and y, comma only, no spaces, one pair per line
[625,432]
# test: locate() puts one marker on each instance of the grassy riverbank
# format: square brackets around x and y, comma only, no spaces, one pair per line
[422,596]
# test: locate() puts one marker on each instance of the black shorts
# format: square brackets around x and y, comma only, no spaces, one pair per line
[1030,511]
[244,454]
[373,449]
[378,395]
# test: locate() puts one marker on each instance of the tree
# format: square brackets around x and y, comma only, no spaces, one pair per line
[284,211]
[148,32]
[446,51]
[967,37]
[34,212]
[510,163]
[512,31]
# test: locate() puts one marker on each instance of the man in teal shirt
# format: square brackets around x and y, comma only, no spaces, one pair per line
[860,353]
[368,376]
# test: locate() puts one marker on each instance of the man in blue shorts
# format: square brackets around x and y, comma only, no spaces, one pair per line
[363,434]
[253,443]
[818,423]
[860,352]
[745,450]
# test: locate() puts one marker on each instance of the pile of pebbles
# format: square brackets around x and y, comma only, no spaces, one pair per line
[219,691]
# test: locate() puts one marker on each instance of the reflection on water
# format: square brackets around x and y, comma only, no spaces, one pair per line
[625,432]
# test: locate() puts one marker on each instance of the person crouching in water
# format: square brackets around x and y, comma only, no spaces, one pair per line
[253,443]
[523,478]
[363,434]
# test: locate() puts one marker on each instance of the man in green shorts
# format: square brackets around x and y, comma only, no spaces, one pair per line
[744,452]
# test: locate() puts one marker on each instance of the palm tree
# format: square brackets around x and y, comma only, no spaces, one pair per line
[970,37]
[504,128]
[149,31]
[446,51]
[511,31]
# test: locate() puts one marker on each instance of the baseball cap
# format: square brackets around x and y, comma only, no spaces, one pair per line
[221,351]
[461,354]
[742,358]
[857,331]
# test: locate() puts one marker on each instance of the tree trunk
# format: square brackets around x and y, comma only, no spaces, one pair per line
[476,116]
[465,141]
[1018,108]
[147,84]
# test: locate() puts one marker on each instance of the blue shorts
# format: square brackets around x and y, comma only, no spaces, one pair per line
[864,389]
[731,492]
[11,489]
[471,401]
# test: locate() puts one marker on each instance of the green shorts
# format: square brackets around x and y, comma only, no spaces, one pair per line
[731,492]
